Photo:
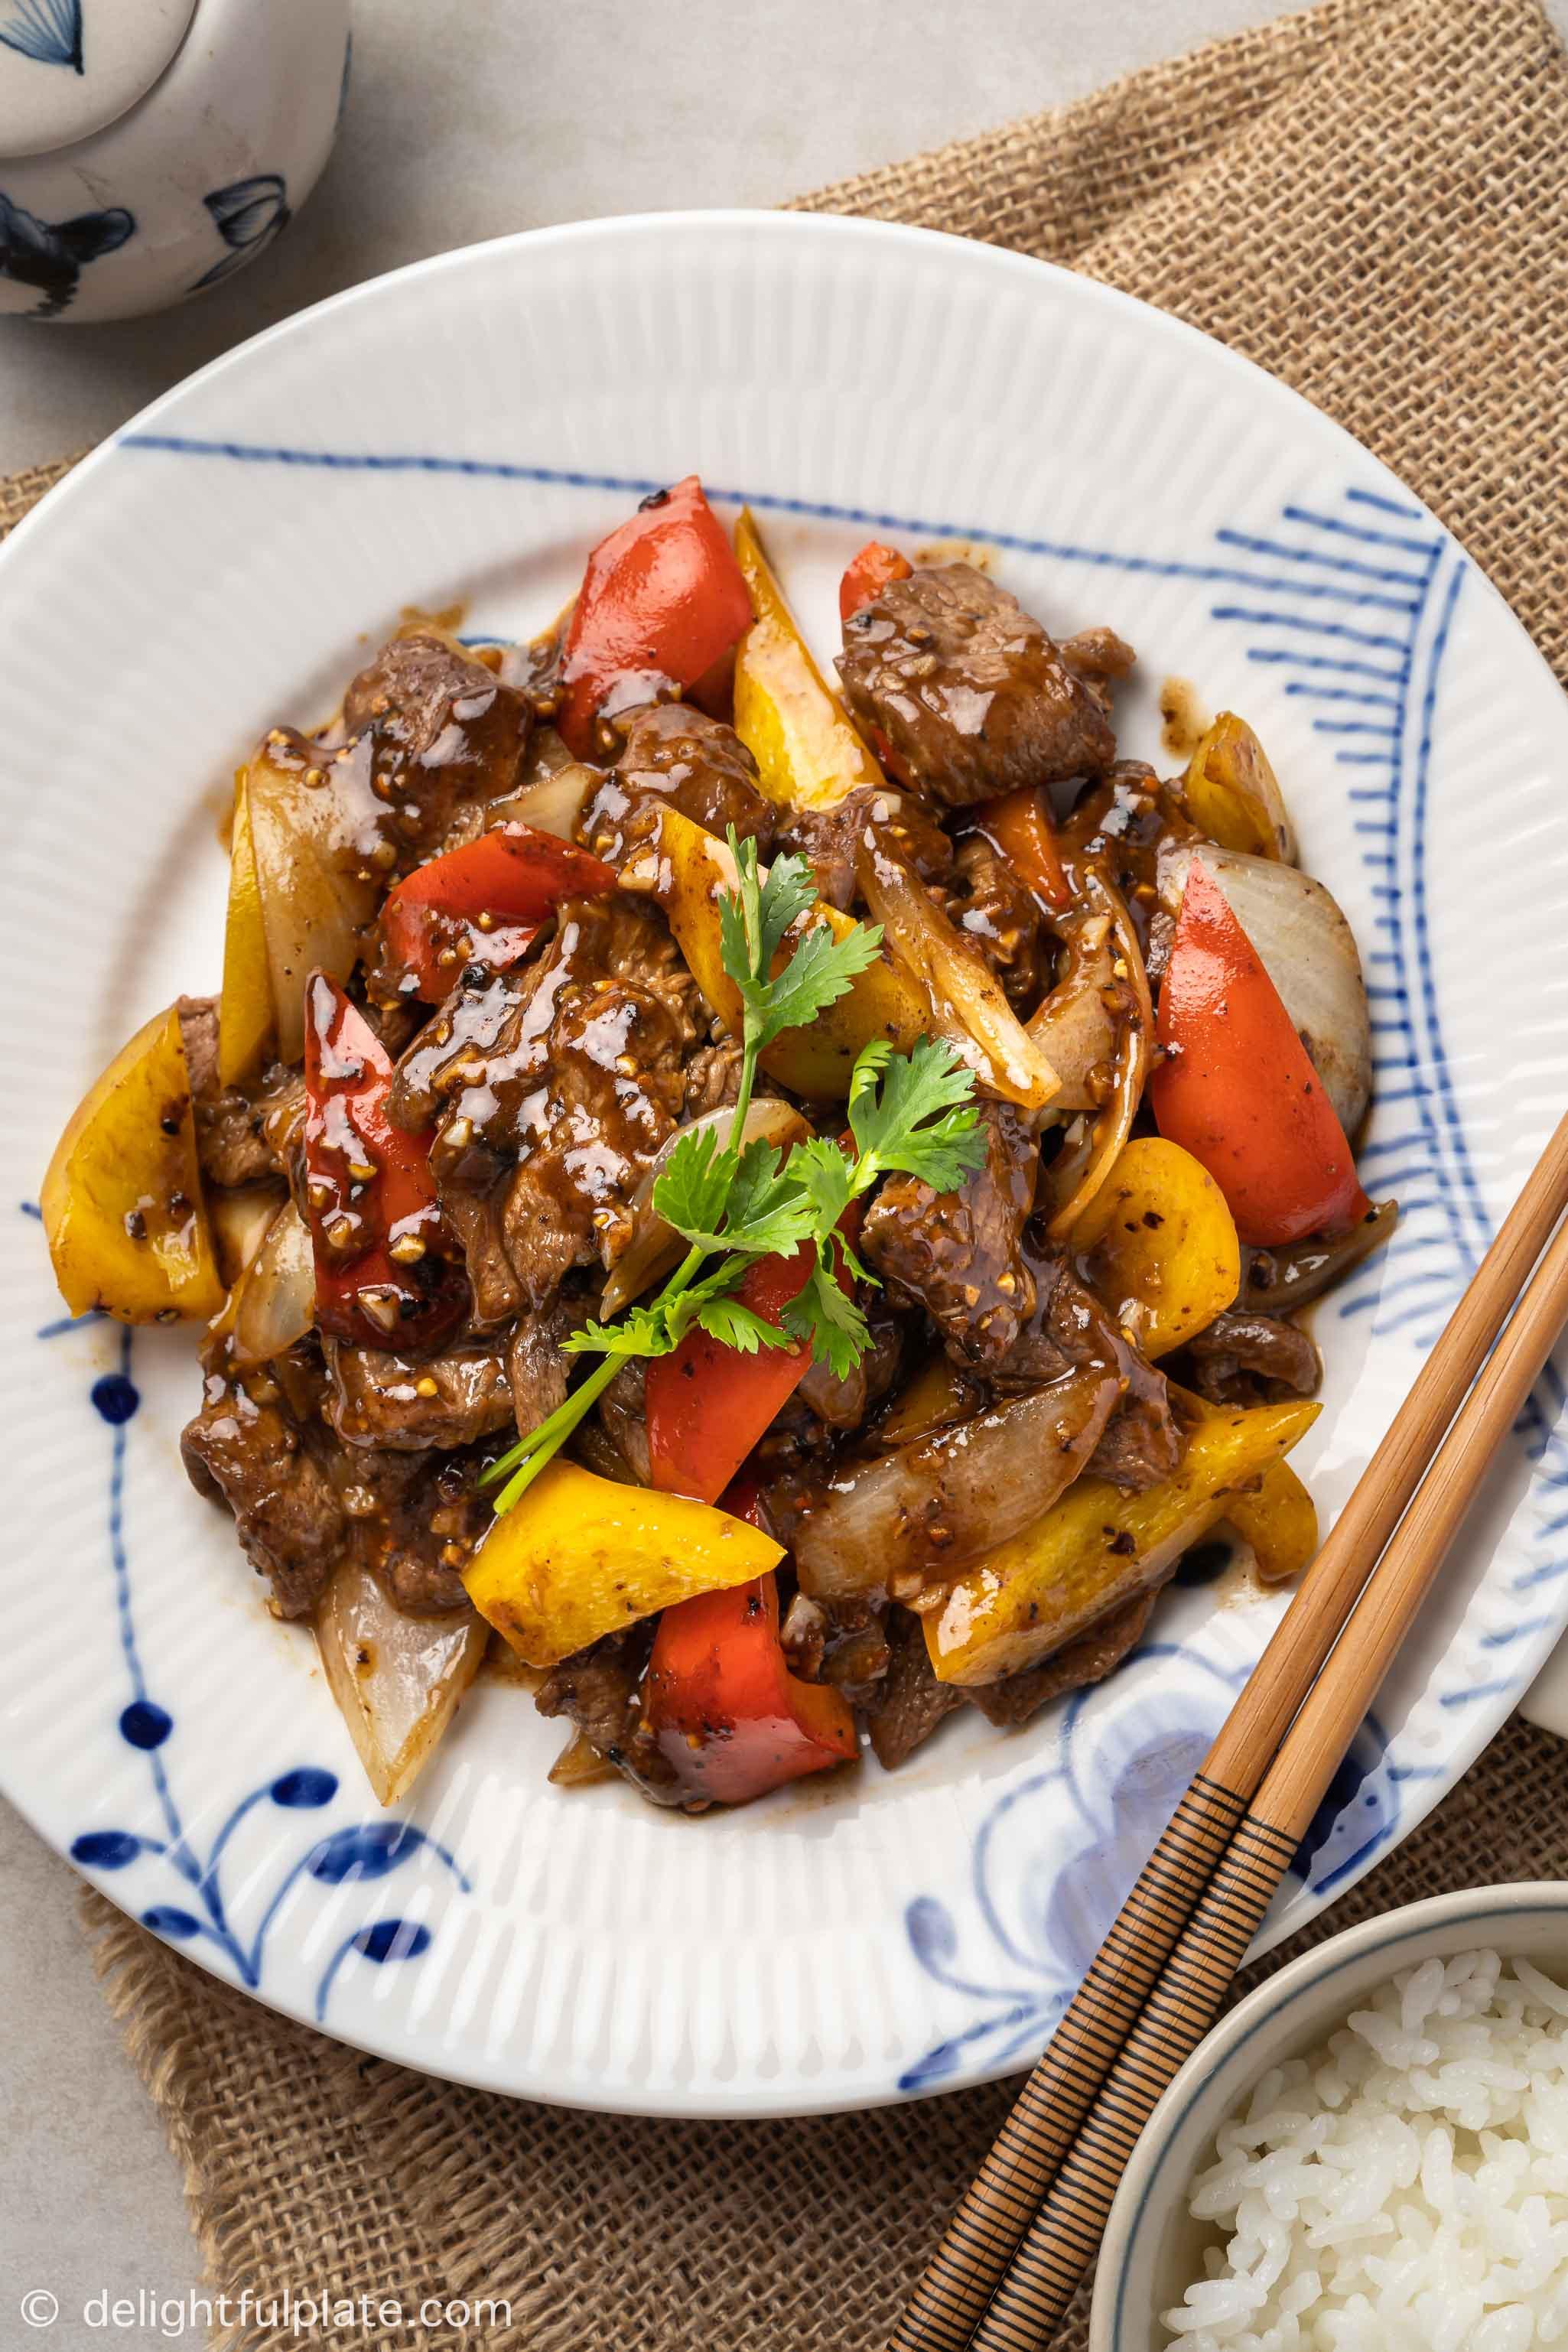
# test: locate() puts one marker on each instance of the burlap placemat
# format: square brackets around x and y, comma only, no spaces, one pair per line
[1372,200]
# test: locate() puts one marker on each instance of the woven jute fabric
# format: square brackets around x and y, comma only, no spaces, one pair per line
[1372,200]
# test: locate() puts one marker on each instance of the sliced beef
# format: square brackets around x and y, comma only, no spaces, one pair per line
[430,1513]
[444,739]
[1244,1357]
[1087,1660]
[843,1403]
[676,757]
[473,1203]
[960,1254]
[381,1399]
[246,1448]
[1142,1445]
[1008,1310]
[1100,657]
[969,693]
[713,1076]
[1066,1328]
[909,1702]
[623,1419]
[575,1067]
[244,1134]
[997,914]
[600,1691]
[831,839]
[796,1442]
[540,1373]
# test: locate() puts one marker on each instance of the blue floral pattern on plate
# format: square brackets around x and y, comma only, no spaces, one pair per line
[358,1851]
[1369,658]
[1056,1857]
[1350,608]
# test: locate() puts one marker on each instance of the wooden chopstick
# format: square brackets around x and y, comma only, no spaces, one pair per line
[999,2205]
[1062,2241]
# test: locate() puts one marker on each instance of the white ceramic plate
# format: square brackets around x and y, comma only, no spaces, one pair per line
[465,430]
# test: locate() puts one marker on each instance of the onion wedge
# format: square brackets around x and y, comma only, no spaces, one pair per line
[552,802]
[274,1301]
[1309,952]
[967,1003]
[398,1679]
[310,918]
[654,1246]
[929,1508]
[1113,958]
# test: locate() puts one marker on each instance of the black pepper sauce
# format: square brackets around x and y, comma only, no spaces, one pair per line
[571,1069]
[1118,829]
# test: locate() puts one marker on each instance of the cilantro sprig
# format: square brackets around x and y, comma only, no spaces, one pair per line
[734,1204]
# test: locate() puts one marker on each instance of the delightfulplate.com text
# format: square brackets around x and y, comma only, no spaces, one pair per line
[172,2316]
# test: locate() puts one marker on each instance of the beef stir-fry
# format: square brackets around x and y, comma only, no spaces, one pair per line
[784,1205]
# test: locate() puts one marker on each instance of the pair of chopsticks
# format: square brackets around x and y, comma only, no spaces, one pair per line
[1032,2221]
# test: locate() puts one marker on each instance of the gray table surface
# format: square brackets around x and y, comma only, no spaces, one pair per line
[519,122]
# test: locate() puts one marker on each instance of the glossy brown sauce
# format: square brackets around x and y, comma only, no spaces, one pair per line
[1183,720]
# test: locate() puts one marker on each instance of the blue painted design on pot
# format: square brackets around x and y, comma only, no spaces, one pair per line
[47,31]
[248,213]
[49,257]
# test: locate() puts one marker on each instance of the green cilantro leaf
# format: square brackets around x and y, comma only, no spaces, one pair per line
[694,1183]
[829,1318]
[826,1178]
[755,919]
[915,1113]
[739,1326]
[821,971]
[641,1331]
[766,1210]
[719,1201]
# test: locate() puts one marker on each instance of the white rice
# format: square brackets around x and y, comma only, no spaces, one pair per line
[1405,2188]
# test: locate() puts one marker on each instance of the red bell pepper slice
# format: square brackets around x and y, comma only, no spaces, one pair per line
[1019,824]
[866,575]
[484,903]
[663,600]
[723,1706]
[370,1194]
[1235,1087]
[707,1404]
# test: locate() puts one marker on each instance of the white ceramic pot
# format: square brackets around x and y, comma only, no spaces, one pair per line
[151,148]
[1152,2250]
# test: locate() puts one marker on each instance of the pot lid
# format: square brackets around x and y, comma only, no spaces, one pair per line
[69,66]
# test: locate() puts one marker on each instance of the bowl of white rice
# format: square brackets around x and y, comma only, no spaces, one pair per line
[1369,2154]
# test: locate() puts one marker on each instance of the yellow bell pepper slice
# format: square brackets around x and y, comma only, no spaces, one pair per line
[694,868]
[807,750]
[1158,1245]
[246,1022]
[1098,1547]
[1280,1523]
[1233,794]
[1277,1517]
[122,1202]
[582,1555]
